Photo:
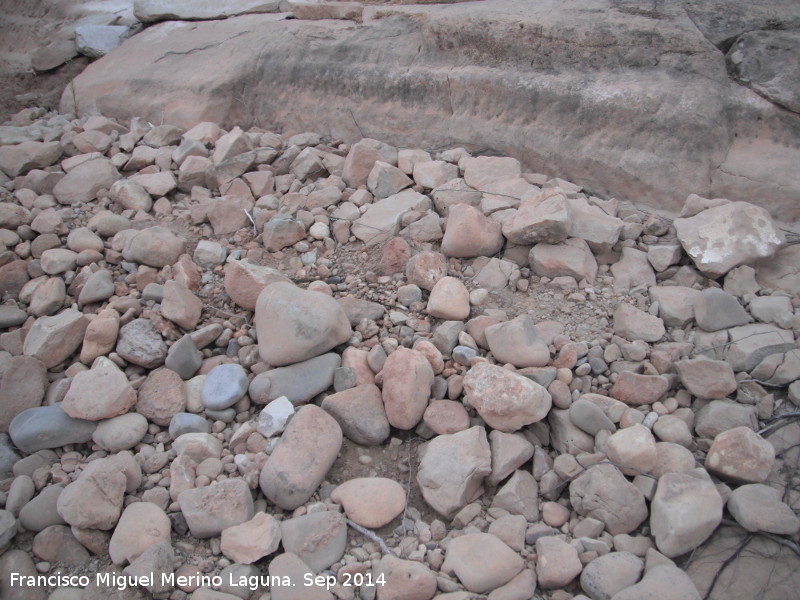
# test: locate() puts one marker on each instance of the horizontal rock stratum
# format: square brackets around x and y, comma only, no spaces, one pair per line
[630,101]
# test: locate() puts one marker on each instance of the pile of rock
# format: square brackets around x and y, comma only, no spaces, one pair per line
[198,325]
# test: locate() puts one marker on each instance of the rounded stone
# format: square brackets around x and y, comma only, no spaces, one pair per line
[224,386]
[120,433]
[371,501]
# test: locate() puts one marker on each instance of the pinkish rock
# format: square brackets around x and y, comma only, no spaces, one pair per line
[180,305]
[469,233]
[573,258]
[505,400]
[210,510]
[294,325]
[759,507]
[635,390]
[142,525]
[407,380]
[23,386]
[557,563]
[685,511]
[385,180]
[298,464]
[633,447]
[449,300]
[245,280]
[82,183]
[18,159]
[603,493]
[154,247]
[99,393]
[404,579]
[495,175]
[740,455]
[53,339]
[661,581]
[100,335]
[161,396]
[482,562]
[446,416]
[425,269]
[539,220]
[361,159]
[675,304]
[252,540]
[706,378]
[517,342]
[371,501]
[634,324]
[452,469]
[94,500]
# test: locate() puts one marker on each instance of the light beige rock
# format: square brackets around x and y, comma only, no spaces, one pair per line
[252,540]
[371,501]
[482,562]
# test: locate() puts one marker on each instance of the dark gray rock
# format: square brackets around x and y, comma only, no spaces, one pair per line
[298,382]
[184,358]
[187,423]
[48,427]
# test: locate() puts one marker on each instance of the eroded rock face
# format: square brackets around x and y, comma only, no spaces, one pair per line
[714,149]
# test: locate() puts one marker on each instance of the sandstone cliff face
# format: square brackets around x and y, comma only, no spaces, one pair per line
[627,98]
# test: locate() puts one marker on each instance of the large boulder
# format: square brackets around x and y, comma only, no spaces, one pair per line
[661,127]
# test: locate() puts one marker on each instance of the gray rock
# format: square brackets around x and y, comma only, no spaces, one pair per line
[41,512]
[211,509]
[298,382]
[360,413]
[95,41]
[8,529]
[721,415]
[317,538]
[589,417]
[273,419]
[99,287]
[715,309]
[140,343]
[603,493]
[11,316]
[149,11]
[187,423]
[224,386]
[184,358]
[120,433]
[48,427]
[751,344]
[8,457]
[344,378]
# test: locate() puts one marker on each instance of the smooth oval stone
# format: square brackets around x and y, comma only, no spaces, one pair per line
[120,433]
[224,386]
[226,416]
[40,512]
[187,423]
[48,427]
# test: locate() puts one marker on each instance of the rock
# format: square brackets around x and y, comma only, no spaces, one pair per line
[449,300]
[565,437]
[318,538]
[161,396]
[210,510]
[273,419]
[11,316]
[539,220]
[18,561]
[589,417]
[142,525]
[302,458]
[557,563]
[20,158]
[157,561]
[22,387]
[446,416]
[509,452]
[20,492]
[245,280]
[685,511]
[425,269]
[154,247]
[95,41]
[481,562]
[252,540]
[371,501]
[722,415]
[759,507]
[781,271]
[58,260]
[120,433]
[606,575]
[661,581]
[360,413]
[505,400]
[495,175]
[94,500]
[100,336]
[294,325]
[517,342]
[8,529]
[13,276]
[431,174]
[634,324]
[715,309]
[592,224]
[384,180]
[81,184]
[289,567]
[573,258]
[603,493]
[48,427]
[751,344]
[672,458]
[740,455]
[405,579]
[361,159]
[381,221]
[156,184]
[181,306]
[299,382]
[99,393]
[632,270]
[773,309]
[721,238]
[407,380]
[182,423]
[637,390]
[40,512]
[705,378]
[519,496]
[140,343]
[184,358]
[280,232]
[469,233]
[54,339]
[224,386]
[633,447]
[664,256]
[130,195]
[97,288]
[452,469]
[748,60]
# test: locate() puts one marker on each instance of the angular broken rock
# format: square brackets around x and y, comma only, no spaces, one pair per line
[603,493]
[740,455]
[154,247]
[295,324]
[482,562]
[141,525]
[94,500]
[557,563]
[706,378]
[469,233]
[318,538]
[634,324]
[407,380]
[210,510]
[252,540]
[723,237]
[245,280]
[505,400]
[758,507]
[572,258]
[517,342]
[301,459]
[54,339]
[360,413]
[452,469]
[686,510]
